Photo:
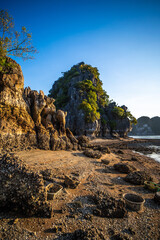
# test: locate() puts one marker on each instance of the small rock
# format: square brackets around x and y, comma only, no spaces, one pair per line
[105,161]
[92,154]
[120,152]
[134,159]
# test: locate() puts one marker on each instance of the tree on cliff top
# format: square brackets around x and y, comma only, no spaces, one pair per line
[12,42]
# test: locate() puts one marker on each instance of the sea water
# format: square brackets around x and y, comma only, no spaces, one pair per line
[147,137]
[154,155]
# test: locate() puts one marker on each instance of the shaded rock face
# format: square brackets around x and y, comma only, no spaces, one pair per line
[119,126]
[80,93]
[29,118]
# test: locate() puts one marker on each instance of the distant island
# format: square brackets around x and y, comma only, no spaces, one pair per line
[146,126]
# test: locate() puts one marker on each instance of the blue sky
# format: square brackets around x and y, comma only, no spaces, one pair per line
[120,38]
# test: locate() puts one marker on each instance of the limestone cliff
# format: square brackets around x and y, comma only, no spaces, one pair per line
[79,92]
[146,126]
[29,118]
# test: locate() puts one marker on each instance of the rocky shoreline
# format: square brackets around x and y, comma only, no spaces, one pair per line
[90,204]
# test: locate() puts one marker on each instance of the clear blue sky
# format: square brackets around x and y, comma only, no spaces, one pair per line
[120,38]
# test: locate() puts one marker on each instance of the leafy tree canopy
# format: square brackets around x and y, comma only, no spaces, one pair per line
[12,42]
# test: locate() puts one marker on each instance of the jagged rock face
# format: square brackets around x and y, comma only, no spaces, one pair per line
[16,124]
[13,110]
[29,118]
[80,93]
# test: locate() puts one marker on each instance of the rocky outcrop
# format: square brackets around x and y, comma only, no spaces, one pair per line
[16,124]
[80,93]
[21,189]
[146,126]
[29,118]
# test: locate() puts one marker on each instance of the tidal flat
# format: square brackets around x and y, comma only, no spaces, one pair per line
[90,209]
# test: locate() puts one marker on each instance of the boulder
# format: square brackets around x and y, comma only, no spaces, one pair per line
[138,177]
[83,139]
[123,167]
[92,154]
[110,207]
[105,161]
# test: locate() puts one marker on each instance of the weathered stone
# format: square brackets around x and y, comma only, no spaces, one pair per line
[83,139]
[138,177]
[21,189]
[29,118]
[101,148]
[110,207]
[89,234]
[71,137]
[124,167]
[92,154]
[105,161]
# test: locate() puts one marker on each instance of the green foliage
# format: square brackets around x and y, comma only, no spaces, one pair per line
[86,85]
[132,119]
[103,121]
[119,112]
[89,105]
[62,85]
[90,69]
[101,111]
[14,43]
[90,110]
[6,66]
[93,92]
